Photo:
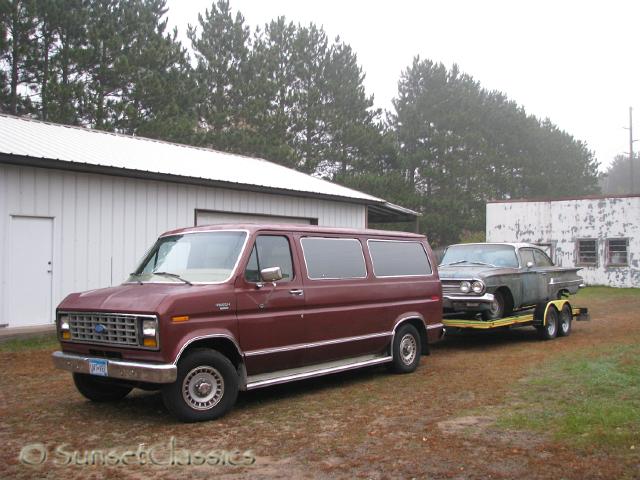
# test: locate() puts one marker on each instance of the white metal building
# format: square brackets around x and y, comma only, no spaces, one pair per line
[79,207]
[600,234]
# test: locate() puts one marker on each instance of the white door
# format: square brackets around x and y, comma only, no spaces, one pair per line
[30,271]
[213,218]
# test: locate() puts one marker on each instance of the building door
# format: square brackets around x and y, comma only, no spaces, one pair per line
[30,271]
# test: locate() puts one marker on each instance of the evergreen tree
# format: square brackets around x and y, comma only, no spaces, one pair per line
[221,47]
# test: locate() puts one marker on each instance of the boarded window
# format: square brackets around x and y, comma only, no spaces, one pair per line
[333,258]
[587,252]
[617,251]
[395,259]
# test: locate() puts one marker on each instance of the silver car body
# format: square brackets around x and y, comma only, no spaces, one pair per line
[523,274]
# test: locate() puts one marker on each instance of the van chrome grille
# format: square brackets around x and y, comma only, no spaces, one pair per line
[113,329]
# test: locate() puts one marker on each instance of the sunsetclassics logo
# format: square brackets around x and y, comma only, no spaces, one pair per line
[161,454]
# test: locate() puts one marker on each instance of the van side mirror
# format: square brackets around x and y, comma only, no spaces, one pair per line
[529,264]
[271,274]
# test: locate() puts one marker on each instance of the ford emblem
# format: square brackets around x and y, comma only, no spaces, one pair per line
[100,328]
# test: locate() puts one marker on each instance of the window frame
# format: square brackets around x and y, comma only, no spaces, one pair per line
[608,252]
[254,245]
[596,262]
[347,239]
[544,255]
[373,263]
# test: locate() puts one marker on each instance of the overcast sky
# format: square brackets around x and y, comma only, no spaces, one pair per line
[576,62]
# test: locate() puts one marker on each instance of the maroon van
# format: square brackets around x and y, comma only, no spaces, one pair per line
[216,309]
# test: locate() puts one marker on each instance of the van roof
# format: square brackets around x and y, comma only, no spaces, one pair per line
[253,227]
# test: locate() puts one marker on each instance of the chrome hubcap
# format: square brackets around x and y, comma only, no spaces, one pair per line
[551,327]
[203,388]
[408,349]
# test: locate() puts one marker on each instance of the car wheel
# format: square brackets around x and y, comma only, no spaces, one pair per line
[98,389]
[549,331]
[206,387]
[564,324]
[496,308]
[406,349]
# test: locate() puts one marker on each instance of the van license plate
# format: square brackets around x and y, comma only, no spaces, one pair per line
[98,367]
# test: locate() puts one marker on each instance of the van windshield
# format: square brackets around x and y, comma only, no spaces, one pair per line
[480,254]
[193,257]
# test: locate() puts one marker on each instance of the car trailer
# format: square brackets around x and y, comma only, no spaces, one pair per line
[551,320]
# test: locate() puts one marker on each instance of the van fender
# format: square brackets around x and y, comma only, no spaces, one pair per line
[413,317]
[199,335]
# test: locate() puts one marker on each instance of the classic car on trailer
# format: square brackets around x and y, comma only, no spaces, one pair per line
[497,279]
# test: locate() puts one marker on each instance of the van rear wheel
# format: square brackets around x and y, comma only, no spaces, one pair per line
[406,349]
[206,387]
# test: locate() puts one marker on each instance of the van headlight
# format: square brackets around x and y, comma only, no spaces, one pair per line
[64,327]
[477,287]
[150,333]
[465,287]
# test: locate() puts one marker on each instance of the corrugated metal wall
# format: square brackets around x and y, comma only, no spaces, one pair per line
[562,223]
[104,224]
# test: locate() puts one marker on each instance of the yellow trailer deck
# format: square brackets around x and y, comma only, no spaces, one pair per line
[551,319]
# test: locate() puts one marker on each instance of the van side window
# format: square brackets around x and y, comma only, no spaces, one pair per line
[269,251]
[395,258]
[333,258]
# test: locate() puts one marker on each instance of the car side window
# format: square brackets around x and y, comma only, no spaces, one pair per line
[269,251]
[541,259]
[526,256]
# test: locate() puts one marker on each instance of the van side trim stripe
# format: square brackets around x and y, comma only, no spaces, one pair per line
[299,346]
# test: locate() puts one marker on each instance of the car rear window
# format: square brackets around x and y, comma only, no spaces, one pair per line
[398,258]
[333,258]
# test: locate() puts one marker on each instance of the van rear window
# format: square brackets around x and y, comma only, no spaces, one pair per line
[397,259]
[333,258]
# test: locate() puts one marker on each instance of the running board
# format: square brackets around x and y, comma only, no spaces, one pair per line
[310,371]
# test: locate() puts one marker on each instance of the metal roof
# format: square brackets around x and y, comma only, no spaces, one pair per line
[93,150]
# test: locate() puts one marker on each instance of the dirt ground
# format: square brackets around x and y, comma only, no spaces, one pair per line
[438,422]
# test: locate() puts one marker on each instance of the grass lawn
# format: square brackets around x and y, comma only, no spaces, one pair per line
[590,400]
[40,342]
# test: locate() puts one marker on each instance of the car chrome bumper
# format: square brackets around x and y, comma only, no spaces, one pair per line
[121,369]
[460,301]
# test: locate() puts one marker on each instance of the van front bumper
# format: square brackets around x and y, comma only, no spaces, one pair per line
[120,369]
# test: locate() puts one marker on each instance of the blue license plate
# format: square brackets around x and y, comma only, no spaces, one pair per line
[98,367]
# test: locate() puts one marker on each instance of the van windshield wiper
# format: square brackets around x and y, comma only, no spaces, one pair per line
[173,275]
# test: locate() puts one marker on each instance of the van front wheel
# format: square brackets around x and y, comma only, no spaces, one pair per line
[206,387]
[406,349]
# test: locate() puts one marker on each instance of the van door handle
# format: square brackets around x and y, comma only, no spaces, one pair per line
[296,291]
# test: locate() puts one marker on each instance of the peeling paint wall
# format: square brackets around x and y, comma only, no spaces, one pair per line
[562,223]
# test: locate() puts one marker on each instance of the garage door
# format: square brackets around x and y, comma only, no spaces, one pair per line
[213,218]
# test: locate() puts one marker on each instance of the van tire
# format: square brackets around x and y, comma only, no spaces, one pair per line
[406,349]
[98,389]
[206,387]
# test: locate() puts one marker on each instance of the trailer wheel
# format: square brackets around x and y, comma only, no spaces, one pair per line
[549,331]
[564,326]
[206,387]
